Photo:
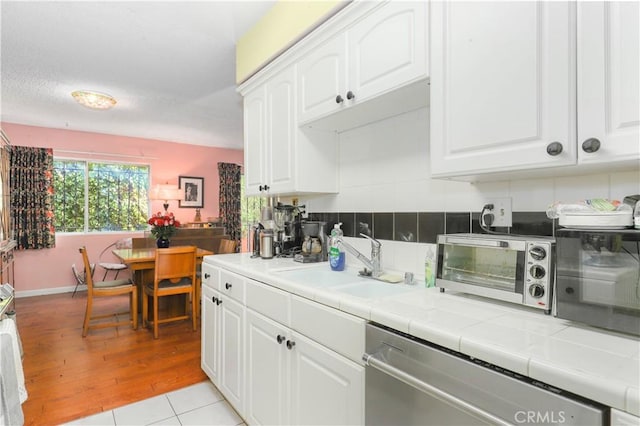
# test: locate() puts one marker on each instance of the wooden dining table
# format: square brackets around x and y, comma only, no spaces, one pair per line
[142,261]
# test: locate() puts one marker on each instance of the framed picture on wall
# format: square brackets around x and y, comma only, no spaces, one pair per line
[192,190]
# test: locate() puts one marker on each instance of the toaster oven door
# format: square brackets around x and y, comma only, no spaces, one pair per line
[486,268]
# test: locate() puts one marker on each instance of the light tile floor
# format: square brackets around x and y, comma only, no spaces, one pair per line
[199,404]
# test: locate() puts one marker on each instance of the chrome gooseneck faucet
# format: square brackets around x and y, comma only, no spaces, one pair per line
[374,263]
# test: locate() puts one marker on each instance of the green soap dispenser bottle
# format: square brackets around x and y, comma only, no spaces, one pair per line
[336,252]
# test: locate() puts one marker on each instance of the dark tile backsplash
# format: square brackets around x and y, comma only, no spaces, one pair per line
[424,227]
[383,226]
[364,224]
[429,226]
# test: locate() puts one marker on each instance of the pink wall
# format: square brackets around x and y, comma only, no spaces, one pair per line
[49,270]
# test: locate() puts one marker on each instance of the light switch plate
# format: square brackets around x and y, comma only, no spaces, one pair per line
[502,214]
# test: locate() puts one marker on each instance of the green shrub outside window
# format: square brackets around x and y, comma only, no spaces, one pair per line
[100,196]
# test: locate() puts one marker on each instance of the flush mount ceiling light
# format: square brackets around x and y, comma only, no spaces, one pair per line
[93,100]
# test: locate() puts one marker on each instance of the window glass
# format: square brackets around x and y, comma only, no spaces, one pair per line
[100,197]
[250,212]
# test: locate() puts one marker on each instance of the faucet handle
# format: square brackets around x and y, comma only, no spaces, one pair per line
[375,242]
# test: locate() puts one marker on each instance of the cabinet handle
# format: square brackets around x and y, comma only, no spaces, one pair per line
[227,285]
[350,95]
[554,148]
[213,299]
[339,99]
[591,145]
[206,276]
[280,339]
[218,301]
[290,344]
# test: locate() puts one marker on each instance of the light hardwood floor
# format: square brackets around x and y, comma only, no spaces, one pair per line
[68,376]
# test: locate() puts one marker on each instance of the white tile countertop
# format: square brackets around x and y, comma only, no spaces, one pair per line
[594,363]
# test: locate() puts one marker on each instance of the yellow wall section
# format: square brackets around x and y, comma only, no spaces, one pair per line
[279,28]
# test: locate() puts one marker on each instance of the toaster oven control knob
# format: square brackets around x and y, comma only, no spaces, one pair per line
[536,290]
[537,272]
[537,252]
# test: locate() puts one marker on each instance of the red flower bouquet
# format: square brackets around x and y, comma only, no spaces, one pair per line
[163,225]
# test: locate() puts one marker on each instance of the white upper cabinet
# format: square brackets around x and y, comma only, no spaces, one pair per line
[608,81]
[387,49]
[521,86]
[502,86]
[255,139]
[322,79]
[379,53]
[281,131]
[276,150]
[269,135]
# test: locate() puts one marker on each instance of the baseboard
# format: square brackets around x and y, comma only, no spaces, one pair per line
[47,291]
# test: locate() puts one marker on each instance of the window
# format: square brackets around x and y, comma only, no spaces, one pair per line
[98,197]
[250,208]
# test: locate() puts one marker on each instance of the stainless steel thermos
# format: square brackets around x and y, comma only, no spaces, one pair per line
[266,243]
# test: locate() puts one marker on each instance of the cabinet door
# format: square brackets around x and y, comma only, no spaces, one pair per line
[326,388]
[267,371]
[502,86]
[210,335]
[321,79]
[254,141]
[608,81]
[232,352]
[281,131]
[387,49]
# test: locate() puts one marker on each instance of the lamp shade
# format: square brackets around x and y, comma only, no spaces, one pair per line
[165,192]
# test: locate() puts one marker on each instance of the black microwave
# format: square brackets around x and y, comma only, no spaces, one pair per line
[598,277]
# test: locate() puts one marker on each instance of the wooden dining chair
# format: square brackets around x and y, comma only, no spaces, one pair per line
[96,289]
[175,273]
[226,246]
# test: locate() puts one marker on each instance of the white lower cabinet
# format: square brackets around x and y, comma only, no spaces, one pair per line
[326,388]
[232,352]
[293,380]
[267,371]
[289,377]
[210,346]
[223,325]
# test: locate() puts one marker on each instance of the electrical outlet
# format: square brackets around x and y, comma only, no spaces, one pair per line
[501,212]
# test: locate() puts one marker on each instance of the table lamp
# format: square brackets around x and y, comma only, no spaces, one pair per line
[166,193]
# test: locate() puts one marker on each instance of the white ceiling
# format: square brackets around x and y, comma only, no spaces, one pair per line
[170,65]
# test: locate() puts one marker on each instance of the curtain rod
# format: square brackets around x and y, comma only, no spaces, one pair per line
[66,151]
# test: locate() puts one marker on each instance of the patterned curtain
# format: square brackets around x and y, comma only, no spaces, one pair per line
[230,199]
[31,188]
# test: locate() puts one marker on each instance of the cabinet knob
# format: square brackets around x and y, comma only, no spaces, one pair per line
[218,301]
[554,148]
[350,95]
[591,145]
[206,276]
[214,299]
[280,339]
[339,99]
[227,285]
[290,344]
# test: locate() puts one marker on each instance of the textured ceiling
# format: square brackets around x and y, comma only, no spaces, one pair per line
[170,65]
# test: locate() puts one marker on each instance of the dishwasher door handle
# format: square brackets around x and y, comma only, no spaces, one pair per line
[410,380]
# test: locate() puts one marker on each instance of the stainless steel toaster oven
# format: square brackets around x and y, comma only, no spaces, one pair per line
[518,269]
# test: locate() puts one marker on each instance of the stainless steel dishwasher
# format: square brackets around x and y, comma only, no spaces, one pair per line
[413,382]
